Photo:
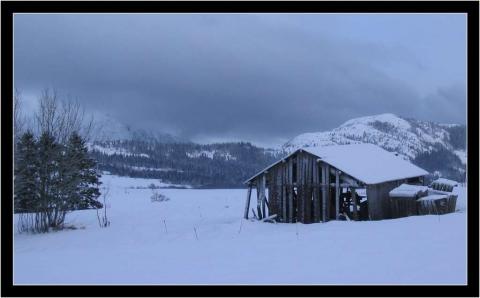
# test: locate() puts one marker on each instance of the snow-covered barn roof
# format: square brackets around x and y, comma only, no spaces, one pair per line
[367,163]
[446,181]
[407,191]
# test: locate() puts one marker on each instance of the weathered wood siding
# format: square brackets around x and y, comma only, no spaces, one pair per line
[437,207]
[379,200]
[402,207]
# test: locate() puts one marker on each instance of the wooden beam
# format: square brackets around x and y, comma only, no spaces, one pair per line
[348,180]
[247,203]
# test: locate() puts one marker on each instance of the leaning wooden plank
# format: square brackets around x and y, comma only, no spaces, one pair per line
[247,203]
[259,199]
[254,214]
[263,195]
[269,218]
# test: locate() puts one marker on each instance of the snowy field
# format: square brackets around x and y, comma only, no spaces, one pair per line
[199,237]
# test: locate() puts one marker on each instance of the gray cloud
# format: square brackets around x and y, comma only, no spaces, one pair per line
[251,77]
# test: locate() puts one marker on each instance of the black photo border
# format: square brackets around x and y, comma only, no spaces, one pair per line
[8,8]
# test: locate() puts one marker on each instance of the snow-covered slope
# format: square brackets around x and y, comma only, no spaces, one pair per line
[407,137]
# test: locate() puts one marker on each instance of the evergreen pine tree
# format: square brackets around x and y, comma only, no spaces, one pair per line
[82,178]
[26,174]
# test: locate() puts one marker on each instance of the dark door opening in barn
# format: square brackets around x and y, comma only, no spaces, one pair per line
[353,204]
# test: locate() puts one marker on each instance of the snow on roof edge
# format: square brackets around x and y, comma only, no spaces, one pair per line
[270,166]
[420,172]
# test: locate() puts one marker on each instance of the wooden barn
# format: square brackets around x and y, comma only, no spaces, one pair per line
[323,183]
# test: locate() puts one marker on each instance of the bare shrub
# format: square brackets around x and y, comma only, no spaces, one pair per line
[158,197]
[103,220]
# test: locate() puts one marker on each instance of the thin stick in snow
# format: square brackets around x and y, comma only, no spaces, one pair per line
[165,225]
[241,223]
[296,229]
[195,230]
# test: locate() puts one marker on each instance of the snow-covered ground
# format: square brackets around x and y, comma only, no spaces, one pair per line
[199,237]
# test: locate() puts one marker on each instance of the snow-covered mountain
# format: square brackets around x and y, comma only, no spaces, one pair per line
[107,128]
[439,148]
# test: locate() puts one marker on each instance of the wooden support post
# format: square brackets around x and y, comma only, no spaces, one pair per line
[259,199]
[278,193]
[324,192]
[308,194]
[284,194]
[271,203]
[299,185]
[337,194]
[290,189]
[316,193]
[247,203]
[354,201]
[327,191]
[264,197]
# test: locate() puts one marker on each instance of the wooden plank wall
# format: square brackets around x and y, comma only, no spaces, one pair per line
[290,200]
[401,207]
[299,182]
[304,199]
[272,202]
[379,200]
[317,204]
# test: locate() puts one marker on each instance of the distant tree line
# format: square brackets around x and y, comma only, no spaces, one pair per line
[227,166]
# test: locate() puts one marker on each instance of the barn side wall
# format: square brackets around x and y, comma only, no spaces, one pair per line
[379,200]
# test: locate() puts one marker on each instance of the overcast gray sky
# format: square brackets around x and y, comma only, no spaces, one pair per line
[258,77]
